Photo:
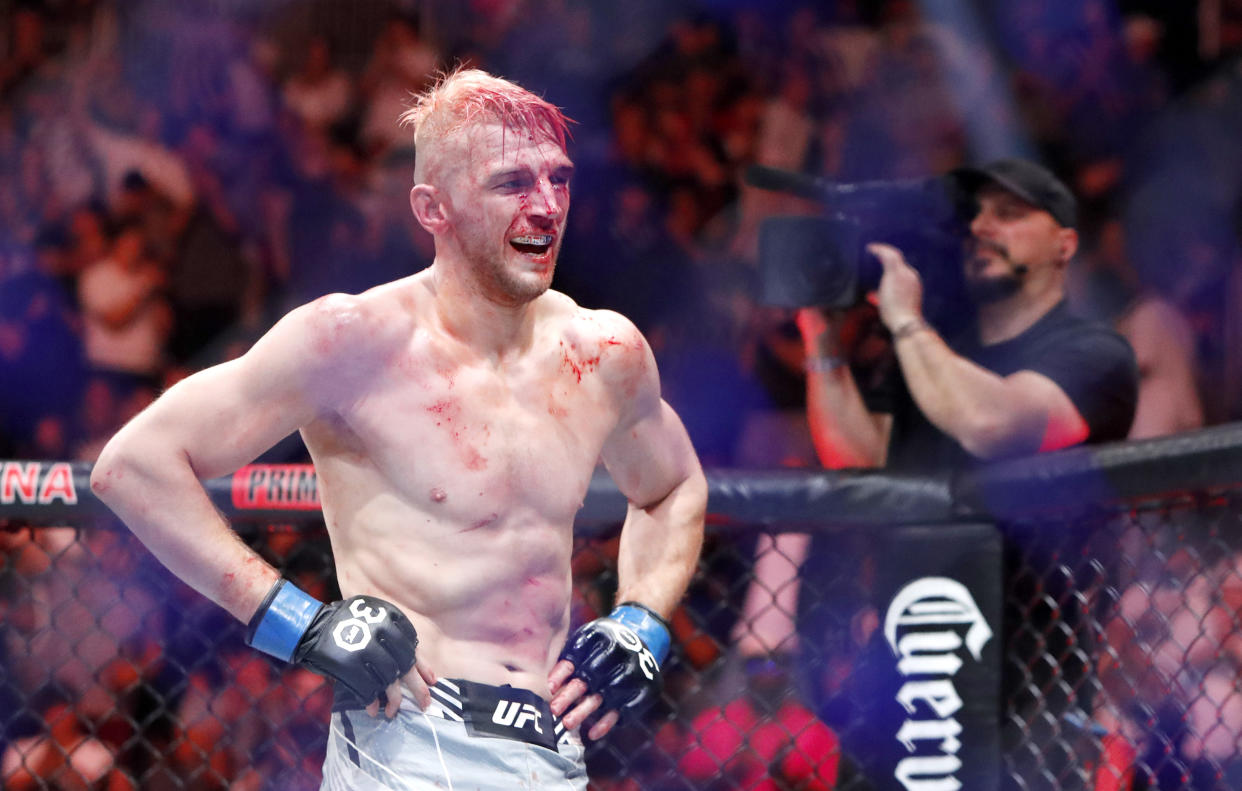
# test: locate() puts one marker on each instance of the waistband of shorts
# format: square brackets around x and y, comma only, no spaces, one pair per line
[487,711]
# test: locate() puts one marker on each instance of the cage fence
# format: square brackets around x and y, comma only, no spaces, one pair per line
[1118,646]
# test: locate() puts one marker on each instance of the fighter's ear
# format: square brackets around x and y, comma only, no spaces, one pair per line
[427,203]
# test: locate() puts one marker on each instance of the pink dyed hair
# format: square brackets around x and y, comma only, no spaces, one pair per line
[466,96]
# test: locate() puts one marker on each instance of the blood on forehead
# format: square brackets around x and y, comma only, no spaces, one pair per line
[490,148]
[485,146]
[469,99]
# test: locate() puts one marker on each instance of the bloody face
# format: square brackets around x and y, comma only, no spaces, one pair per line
[509,205]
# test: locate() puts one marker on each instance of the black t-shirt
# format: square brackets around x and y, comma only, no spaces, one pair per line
[1088,360]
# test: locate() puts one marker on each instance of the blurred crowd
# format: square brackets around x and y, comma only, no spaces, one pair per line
[174,177]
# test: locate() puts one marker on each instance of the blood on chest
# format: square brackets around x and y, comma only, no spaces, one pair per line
[466,440]
[465,459]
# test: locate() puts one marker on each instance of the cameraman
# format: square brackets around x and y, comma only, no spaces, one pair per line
[1025,377]
[1028,377]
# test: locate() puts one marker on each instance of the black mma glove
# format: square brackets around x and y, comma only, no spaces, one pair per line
[619,657]
[363,642]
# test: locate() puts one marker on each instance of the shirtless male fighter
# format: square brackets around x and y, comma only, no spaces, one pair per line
[455,418]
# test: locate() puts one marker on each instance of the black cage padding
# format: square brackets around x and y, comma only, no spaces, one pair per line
[788,499]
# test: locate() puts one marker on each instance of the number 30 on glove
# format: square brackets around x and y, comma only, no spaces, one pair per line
[619,657]
[363,642]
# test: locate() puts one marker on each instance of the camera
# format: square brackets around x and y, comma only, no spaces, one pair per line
[822,260]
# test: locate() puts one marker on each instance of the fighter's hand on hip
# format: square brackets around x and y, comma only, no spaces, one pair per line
[364,643]
[612,665]
[901,290]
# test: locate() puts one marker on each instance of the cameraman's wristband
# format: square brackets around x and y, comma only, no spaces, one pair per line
[824,364]
[281,620]
[650,627]
[910,327]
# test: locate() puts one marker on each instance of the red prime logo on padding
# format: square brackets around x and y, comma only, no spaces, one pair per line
[285,487]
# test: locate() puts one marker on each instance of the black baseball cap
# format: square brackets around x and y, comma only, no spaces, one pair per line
[1030,181]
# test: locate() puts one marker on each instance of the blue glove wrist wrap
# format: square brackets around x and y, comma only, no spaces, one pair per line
[649,627]
[282,619]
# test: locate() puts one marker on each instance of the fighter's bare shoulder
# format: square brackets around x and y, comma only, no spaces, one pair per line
[331,346]
[608,343]
[346,329]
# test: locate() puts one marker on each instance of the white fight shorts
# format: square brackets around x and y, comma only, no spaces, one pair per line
[472,736]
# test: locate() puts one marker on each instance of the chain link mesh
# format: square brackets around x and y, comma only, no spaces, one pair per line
[1124,646]
[1122,649]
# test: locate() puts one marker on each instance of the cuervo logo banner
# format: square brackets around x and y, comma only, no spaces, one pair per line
[928,687]
[924,628]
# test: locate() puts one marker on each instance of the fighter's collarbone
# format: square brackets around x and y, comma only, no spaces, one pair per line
[436,405]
